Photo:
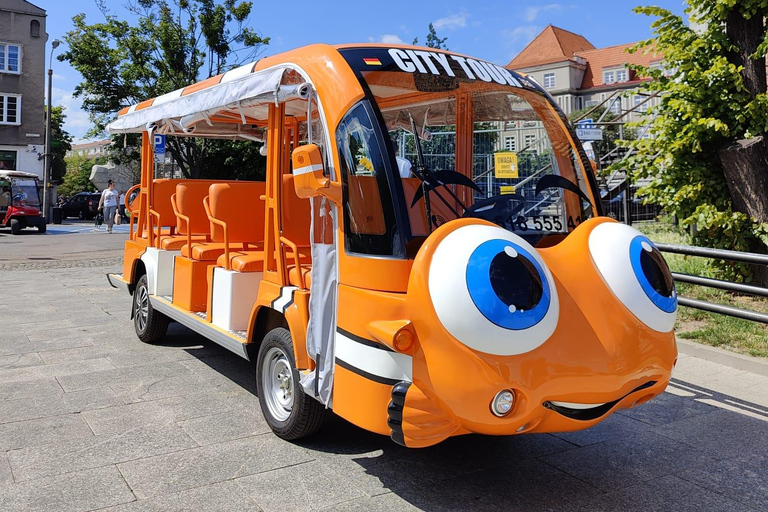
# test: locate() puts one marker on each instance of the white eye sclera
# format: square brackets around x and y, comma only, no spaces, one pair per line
[492,291]
[636,272]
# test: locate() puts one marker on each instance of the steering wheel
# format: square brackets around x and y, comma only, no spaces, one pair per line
[499,209]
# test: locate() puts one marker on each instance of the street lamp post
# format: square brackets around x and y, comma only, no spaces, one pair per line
[48,154]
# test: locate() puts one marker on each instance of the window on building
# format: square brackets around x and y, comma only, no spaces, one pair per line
[616,105]
[7,160]
[510,144]
[10,58]
[590,103]
[638,101]
[529,140]
[34,28]
[609,77]
[549,80]
[622,75]
[10,109]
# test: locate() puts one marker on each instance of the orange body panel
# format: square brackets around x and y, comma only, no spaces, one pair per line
[361,401]
[190,284]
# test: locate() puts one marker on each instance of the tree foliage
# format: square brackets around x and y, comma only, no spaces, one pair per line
[713,95]
[76,179]
[432,40]
[61,142]
[171,44]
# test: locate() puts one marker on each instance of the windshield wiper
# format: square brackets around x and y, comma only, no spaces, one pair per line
[431,180]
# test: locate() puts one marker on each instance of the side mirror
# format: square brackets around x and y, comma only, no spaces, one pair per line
[308,177]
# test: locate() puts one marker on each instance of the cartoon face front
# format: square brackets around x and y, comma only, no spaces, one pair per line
[513,339]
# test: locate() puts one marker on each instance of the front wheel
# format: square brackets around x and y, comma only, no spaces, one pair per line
[290,413]
[42,227]
[15,226]
[150,325]
[81,215]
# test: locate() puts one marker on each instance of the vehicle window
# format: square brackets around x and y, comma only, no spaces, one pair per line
[369,218]
[24,193]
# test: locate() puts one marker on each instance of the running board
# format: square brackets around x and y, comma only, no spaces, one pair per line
[117,281]
[226,339]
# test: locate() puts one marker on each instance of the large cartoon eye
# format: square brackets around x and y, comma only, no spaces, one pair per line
[492,291]
[636,273]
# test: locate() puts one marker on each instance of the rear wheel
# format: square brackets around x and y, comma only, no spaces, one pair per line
[290,413]
[15,226]
[81,215]
[150,325]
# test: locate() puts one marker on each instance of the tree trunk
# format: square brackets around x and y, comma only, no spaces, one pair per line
[745,162]
[745,166]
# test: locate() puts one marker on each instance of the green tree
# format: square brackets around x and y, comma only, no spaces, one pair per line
[76,179]
[172,44]
[707,156]
[61,142]
[432,40]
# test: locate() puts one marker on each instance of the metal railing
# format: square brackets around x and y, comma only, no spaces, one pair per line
[721,254]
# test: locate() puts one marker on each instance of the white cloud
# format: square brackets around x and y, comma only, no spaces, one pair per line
[531,13]
[391,39]
[526,33]
[77,121]
[451,22]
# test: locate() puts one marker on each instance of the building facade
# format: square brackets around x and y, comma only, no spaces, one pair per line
[580,76]
[22,84]
[93,149]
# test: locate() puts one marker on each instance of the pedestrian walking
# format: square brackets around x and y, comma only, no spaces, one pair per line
[108,204]
[121,206]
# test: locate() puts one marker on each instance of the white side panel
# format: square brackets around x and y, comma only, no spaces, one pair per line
[160,266]
[234,294]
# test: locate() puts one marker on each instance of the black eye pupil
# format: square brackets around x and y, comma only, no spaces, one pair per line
[655,270]
[515,281]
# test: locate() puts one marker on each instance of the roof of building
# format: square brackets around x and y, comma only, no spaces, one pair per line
[93,144]
[22,6]
[553,44]
[602,58]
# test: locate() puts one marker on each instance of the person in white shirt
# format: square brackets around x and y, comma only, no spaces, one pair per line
[108,202]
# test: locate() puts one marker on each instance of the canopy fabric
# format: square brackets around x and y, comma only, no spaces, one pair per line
[234,87]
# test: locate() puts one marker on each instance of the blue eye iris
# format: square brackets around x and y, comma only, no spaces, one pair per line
[507,285]
[652,273]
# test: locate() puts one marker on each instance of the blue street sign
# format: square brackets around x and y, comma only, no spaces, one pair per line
[159,143]
[585,123]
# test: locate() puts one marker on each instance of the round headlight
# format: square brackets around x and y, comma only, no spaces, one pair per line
[503,402]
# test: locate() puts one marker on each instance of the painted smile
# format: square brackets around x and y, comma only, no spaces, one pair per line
[586,412]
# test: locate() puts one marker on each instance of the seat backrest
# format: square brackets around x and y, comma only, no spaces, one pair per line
[296,214]
[162,191]
[189,202]
[239,205]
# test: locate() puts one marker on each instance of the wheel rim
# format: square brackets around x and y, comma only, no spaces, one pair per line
[142,308]
[277,384]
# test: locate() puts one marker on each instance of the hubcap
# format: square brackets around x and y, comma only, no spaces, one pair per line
[277,383]
[142,308]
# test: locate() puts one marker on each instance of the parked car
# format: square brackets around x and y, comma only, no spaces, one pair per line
[83,206]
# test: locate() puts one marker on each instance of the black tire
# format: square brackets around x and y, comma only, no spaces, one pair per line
[15,226]
[81,215]
[42,227]
[290,413]
[150,325]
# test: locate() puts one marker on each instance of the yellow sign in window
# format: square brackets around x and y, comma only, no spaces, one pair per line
[505,164]
[507,189]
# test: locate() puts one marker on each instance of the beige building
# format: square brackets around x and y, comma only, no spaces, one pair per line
[90,149]
[578,75]
[22,83]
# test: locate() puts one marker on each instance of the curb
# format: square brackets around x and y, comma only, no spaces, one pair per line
[758,365]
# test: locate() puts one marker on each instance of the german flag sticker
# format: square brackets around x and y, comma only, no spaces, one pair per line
[372,61]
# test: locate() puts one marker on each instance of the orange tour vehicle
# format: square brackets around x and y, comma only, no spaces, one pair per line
[426,256]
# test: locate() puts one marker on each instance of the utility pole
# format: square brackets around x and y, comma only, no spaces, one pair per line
[48,154]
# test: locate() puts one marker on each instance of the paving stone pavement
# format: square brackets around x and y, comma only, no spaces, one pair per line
[93,419]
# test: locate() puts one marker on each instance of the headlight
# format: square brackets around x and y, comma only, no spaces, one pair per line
[492,291]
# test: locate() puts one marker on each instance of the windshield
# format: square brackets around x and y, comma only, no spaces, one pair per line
[493,146]
[19,192]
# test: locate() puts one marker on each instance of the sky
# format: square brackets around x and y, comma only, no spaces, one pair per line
[487,29]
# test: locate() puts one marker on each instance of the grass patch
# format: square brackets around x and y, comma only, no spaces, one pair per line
[713,329]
